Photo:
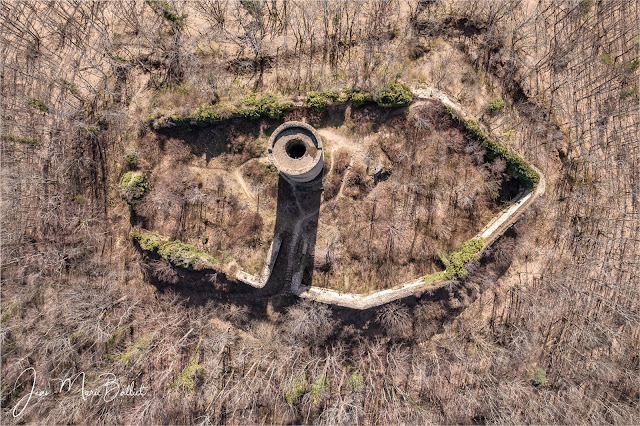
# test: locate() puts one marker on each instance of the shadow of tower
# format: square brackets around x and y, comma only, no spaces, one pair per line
[298,208]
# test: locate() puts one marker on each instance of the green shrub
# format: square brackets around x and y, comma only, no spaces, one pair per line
[356,381]
[436,276]
[185,380]
[456,261]
[147,242]
[538,376]
[206,115]
[174,251]
[132,155]
[331,94]
[73,88]
[168,12]
[184,255]
[393,95]
[516,166]
[632,66]
[132,187]
[20,140]
[342,98]
[181,120]
[117,59]
[359,99]
[319,386]
[494,106]
[317,101]
[38,104]
[134,350]
[268,105]
[298,388]
[628,91]
[605,58]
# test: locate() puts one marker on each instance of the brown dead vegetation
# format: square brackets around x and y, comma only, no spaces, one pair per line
[417,189]
[555,299]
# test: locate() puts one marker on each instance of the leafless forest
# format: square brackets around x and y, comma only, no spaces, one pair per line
[545,328]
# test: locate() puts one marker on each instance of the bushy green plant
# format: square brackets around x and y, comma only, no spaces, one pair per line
[132,155]
[174,251]
[206,115]
[494,106]
[298,388]
[605,58]
[169,13]
[628,91]
[456,261]
[185,380]
[20,140]
[134,350]
[319,386]
[331,94]
[132,187]
[344,97]
[38,104]
[317,101]
[359,99]
[393,95]
[436,276]
[148,242]
[268,105]
[117,59]
[73,88]
[538,376]
[356,381]
[184,255]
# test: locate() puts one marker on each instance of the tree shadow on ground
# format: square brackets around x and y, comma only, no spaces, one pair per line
[233,136]
[296,224]
[440,306]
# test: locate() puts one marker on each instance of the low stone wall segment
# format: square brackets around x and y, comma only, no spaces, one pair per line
[491,232]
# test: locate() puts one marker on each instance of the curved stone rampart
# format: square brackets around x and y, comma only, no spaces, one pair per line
[494,229]
[261,280]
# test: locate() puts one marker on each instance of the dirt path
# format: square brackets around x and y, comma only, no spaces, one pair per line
[340,141]
[238,176]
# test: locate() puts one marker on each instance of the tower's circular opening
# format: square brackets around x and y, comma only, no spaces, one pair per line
[296,148]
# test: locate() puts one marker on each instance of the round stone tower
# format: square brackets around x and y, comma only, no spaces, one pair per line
[295,148]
